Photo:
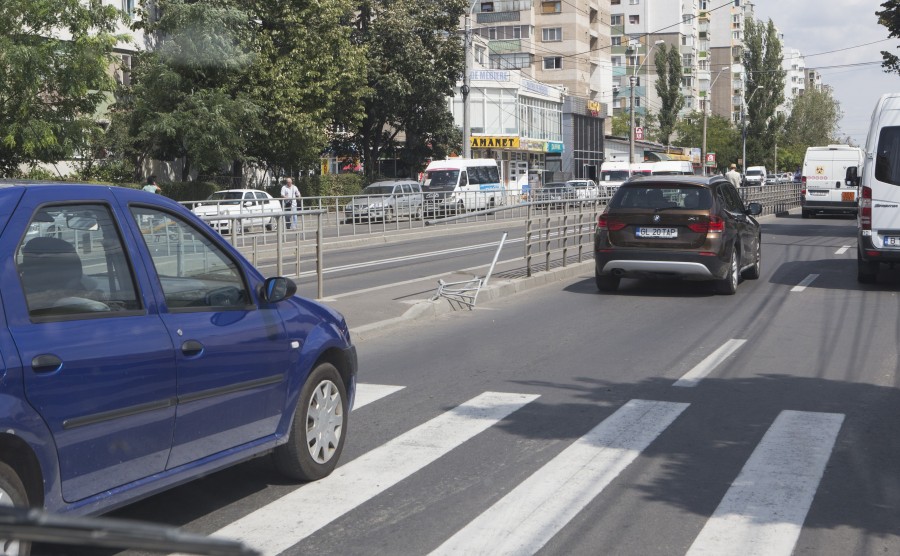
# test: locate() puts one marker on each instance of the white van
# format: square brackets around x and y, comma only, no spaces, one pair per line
[755,176]
[878,220]
[823,187]
[457,185]
[672,168]
[612,174]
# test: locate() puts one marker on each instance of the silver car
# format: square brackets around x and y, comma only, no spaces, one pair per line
[386,201]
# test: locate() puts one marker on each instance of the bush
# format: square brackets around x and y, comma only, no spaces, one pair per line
[329,185]
[188,190]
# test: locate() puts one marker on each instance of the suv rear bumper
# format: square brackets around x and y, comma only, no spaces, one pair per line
[687,265]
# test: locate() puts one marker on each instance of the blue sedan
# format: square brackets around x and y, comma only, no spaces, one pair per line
[138,350]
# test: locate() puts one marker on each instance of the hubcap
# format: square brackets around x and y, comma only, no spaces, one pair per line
[8,547]
[734,269]
[324,421]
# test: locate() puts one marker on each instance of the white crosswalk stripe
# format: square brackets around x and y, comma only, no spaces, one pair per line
[763,511]
[286,521]
[529,516]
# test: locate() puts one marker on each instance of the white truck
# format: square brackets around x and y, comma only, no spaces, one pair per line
[823,188]
[755,176]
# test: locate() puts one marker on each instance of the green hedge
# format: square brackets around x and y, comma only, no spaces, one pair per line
[329,185]
[188,190]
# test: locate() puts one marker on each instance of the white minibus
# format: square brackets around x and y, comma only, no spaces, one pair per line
[457,185]
[878,220]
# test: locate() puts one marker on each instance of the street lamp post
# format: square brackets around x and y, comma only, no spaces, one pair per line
[632,81]
[744,129]
[470,62]
[708,108]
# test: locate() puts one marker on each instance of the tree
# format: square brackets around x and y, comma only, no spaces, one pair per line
[813,119]
[722,137]
[889,16]
[762,59]
[307,74]
[414,58]
[55,57]
[668,87]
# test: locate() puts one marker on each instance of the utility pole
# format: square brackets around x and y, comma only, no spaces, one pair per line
[632,82]
[708,108]
[470,62]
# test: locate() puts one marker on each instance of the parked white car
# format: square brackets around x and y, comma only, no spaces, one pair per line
[585,189]
[260,209]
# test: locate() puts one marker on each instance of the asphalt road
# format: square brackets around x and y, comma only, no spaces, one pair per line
[661,419]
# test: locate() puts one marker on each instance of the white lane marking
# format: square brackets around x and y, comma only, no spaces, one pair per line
[703,368]
[842,250]
[805,282]
[764,510]
[405,258]
[368,393]
[532,513]
[413,280]
[286,521]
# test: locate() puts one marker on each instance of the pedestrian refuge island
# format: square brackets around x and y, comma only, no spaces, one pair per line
[465,292]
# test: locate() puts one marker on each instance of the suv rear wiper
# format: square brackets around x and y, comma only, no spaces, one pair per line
[660,209]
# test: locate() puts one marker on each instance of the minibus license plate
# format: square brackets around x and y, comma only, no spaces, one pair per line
[658,233]
[892,241]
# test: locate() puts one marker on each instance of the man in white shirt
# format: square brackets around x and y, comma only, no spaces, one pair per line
[733,176]
[290,194]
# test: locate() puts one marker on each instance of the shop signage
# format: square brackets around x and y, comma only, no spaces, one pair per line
[594,108]
[538,88]
[711,159]
[554,147]
[533,145]
[489,75]
[488,142]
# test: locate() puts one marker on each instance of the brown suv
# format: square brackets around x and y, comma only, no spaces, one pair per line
[687,227]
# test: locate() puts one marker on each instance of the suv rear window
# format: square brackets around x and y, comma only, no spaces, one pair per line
[689,198]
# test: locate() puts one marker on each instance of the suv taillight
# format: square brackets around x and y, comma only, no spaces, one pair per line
[715,224]
[865,208]
[604,223]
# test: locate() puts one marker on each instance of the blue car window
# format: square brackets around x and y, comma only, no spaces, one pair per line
[71,264]
[194,272]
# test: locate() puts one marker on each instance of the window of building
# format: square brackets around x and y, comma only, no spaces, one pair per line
[615,19]
[551,34]
[517,60]
[615,2]
[634,2]
[616,61]
[517,32]
[551,7]
[616,41]
[552,62]
[487,6]
[634,19]
[492,33]
[634,60]
[128,6]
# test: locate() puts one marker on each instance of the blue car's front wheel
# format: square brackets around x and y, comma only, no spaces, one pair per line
[319,428]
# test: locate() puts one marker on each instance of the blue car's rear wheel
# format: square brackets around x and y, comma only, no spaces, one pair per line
[12,494]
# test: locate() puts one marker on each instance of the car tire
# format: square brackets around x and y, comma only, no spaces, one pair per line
[728,285]
[607,282]
[805,214]
[272,226]
[389,215]
[460,208]
[319,428]
[12,493]
[866,271]
[753,272]
[418,215]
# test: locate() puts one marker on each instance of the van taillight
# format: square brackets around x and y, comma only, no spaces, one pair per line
[865,208]
[715,224]
[604,223]
[803,181]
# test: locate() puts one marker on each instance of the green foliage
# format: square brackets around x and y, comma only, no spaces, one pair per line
[722,137]
[814,119]
[413,60]
[668,87]
[765,90]
[889,16]
[50,88]
[188,190]
[328,185]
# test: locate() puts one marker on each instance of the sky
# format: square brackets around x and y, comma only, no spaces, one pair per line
[829,33]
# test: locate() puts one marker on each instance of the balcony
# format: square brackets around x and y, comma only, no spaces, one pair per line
[505,46]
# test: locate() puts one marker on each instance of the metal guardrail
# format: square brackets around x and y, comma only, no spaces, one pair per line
[555,232]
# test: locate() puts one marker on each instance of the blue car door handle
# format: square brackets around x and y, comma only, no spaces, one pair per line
[46,363]
[191,348]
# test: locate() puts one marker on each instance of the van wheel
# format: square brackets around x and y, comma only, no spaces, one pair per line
[805,214]
[866,271]
[12,494]
[460,208]
[319,428]
[728,285]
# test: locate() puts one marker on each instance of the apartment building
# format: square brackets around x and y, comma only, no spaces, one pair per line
[563,45]
[794,66]
[726,49]
[636,29]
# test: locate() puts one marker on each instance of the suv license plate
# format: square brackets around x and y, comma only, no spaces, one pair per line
[658,233]
[892,241]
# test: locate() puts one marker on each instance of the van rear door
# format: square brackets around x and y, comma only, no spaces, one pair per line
[885,184]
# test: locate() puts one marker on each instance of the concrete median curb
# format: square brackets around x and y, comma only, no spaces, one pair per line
[429,309]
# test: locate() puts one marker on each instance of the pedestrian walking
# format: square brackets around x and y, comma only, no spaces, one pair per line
[289,195]
[152,186]
[733,176]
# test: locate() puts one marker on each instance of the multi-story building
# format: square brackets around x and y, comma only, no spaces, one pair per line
[559,44]
[813,80]
[636,29]
[794,66]
[726,49]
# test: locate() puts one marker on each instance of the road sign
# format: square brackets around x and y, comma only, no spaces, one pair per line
[639,133]
[710,159]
